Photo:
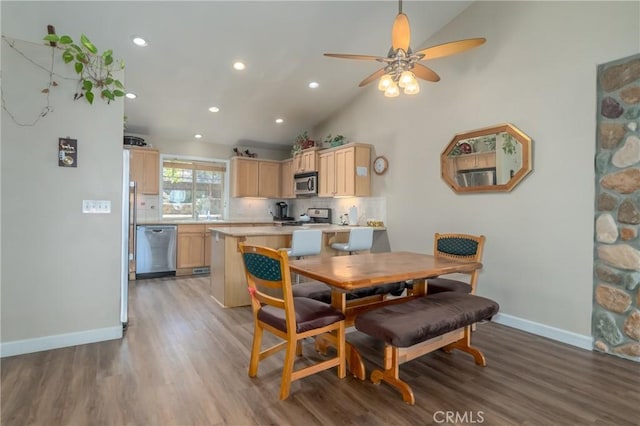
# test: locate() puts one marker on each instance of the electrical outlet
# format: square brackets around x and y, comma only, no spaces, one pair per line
[96,206]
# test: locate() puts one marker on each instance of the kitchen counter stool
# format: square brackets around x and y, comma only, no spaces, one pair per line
[304,242]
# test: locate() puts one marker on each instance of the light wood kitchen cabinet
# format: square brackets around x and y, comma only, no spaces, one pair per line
[191,249]
[286,179]
[254,178]
[268,179]
[144,169]
[478,160]
[345,171]
[207,247]
[306,161]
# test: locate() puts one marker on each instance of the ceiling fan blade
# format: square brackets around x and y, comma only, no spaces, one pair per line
[425,73]
[401,33]
[372,77]
[451,48]
[348,56]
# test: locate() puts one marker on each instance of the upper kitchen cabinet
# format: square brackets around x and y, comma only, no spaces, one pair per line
[344,171]
[254,178]
[306,161]
[144,169]
[286,179]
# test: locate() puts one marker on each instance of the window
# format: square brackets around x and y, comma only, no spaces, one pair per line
[193,189]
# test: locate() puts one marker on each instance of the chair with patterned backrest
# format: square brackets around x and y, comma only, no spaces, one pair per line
[459,247]
[291,319]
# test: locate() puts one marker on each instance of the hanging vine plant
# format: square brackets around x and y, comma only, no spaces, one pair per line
[94,69]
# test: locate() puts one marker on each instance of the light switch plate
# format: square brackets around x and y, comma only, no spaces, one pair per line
[96,206]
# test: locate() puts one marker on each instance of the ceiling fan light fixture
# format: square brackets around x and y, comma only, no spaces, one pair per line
[392,91]
[406,79]
[412,89]
[385,82]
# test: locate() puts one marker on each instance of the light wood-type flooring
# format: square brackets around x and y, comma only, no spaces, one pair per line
[184,359]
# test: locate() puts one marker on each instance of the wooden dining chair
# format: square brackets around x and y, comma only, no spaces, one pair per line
[291,319]
[458,247]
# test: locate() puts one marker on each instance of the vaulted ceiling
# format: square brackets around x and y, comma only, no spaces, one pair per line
[187,65]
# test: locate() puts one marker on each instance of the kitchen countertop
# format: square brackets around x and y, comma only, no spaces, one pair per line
[250,231]
[201,222]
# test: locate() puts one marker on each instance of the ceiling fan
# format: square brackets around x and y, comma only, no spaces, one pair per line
[402,64]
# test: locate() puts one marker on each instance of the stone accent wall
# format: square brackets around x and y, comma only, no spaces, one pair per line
[616,306]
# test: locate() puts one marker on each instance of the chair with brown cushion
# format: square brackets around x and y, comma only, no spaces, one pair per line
[459,247]
[290,318]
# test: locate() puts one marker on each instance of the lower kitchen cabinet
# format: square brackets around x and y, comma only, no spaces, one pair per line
[192,250]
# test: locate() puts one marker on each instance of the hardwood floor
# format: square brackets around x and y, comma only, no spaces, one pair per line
[184,361]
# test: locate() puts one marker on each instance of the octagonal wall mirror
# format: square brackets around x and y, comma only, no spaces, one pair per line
[493,159]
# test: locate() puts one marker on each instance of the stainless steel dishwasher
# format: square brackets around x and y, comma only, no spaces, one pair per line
[155,251]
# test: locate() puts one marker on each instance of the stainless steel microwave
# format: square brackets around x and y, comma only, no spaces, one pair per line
[306,184]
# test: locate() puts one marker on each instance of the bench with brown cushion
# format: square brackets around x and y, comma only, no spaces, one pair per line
[422,325]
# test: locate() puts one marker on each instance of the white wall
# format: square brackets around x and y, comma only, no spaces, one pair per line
[60,270]
[537,71]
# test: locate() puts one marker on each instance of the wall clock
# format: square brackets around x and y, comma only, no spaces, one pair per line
[380,165]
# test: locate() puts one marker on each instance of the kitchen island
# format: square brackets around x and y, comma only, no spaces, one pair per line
[228,281]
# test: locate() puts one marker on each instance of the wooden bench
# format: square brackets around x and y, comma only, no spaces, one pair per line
[423,325]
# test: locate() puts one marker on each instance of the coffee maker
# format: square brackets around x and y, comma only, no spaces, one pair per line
[281,211]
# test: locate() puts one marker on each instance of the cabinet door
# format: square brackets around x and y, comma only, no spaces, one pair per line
[345,182]
[244,178]
[144,166]
[151,177]
[190,250]
[466,162]
[309,161]
[487,159]
[326,174]
[286,179]
[269,180]
[207,248]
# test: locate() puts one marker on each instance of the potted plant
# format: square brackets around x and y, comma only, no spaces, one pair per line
[94,69]
[337,140]
[302,142]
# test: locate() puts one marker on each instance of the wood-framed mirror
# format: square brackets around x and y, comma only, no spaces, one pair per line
[492,159]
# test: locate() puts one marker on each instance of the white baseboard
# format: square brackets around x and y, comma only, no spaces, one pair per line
[19,347]
[564,336]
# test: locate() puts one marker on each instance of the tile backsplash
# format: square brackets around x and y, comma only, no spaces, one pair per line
[147,207]
[259,209]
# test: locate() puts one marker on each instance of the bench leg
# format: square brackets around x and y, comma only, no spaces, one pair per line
[464,345]
[391,374]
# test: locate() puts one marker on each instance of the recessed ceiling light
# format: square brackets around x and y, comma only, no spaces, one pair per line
[139,41]
[197,136]
[314,85]
[214,109]
[279,120]
[131,95]
[239,66]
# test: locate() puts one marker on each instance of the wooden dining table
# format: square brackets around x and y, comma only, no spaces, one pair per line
[347,273]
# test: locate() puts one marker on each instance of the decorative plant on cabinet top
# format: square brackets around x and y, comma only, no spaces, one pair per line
[95,69]
[302,142]
[334,141]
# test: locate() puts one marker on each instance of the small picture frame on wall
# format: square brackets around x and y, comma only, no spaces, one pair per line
[67,152]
